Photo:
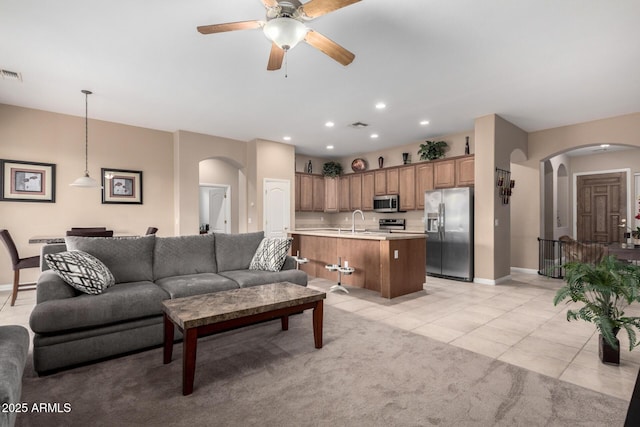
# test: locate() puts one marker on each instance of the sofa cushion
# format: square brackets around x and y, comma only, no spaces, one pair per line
[120,302]
[81,270]
[235,251]
[182,255]
[247,278]
[271,254]
[195,284]
[129,259]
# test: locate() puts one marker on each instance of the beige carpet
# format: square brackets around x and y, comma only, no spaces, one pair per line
[367,374]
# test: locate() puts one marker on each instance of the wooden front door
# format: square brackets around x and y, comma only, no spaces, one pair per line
[602,204]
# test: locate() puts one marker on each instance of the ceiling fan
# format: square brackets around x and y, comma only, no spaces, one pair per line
[285,28]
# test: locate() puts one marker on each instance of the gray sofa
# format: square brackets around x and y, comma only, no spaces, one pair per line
[14,346]
[72,327]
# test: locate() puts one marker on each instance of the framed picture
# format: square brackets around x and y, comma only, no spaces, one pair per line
[121,186]
[27,181]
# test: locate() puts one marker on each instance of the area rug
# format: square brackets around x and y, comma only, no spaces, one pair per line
[367,374]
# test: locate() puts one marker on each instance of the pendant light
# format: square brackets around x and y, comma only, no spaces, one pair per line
[86,181]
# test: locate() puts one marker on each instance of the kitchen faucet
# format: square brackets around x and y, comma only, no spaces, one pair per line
[353,219]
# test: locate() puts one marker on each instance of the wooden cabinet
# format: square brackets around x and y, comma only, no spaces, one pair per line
[306,193]
[318,193]
[296,183]
[424,182]
[407,187]
[465,171]
[331,193]
[444,174]
[355,191]
[345,194]
[380,182]
[368,185]
[393,186]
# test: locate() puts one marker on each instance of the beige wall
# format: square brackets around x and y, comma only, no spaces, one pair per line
[39,136]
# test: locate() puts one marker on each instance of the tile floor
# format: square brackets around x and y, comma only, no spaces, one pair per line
[515,322]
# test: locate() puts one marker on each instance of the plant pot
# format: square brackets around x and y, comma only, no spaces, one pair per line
[607,353]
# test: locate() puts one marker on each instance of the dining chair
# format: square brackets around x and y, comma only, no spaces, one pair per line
[90,233]
[151,230]
[18,263]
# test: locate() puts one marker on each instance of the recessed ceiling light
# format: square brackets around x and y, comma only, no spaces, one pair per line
[329,147]
[329,124]
[286,138]
[381,105]
[374,135]
[424,122]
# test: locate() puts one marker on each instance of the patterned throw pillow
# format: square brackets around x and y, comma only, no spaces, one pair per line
[271,254]
[81,270]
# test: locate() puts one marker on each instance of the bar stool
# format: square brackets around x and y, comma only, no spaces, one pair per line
[18,263]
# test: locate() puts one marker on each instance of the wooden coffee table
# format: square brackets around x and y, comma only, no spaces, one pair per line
[201,315]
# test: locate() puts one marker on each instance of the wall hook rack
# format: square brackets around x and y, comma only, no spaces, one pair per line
[505,184]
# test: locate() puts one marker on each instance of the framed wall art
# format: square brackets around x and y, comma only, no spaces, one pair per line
[22,181]
[121,186]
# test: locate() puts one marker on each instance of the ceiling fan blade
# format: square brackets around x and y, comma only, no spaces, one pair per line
[229,26]
[269,3]
[329,47]
[315,8]
[275,58]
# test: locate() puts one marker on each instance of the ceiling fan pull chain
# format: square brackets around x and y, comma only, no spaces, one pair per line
[286,64]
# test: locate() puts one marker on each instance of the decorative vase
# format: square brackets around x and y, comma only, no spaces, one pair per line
[607,353]
[466,146]
[309,167]
[380,161]
[405,158]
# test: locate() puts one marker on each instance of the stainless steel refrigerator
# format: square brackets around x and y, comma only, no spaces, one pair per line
[448,217]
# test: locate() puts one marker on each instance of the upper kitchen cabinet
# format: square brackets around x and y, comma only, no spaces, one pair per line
[306,192]
[368,192]
[444,174]
[331,194]
[345,194]
[424,182]
[355,190]
[318,193]
[407,187]
[465,171]
[296,184]
[393,186]
[380,182]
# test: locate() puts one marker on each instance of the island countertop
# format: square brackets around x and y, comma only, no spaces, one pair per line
[359,234]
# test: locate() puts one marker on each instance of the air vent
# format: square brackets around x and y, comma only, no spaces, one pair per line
[10,75]
[358,125]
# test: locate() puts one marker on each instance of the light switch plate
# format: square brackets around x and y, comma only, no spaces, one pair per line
[395,254]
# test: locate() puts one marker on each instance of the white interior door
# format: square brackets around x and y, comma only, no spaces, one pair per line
[219,210]
[277,203]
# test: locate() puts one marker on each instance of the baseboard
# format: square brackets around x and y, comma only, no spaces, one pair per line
[492,282]
[8,287]
[524,270]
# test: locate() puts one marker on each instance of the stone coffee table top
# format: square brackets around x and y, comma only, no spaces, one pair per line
[200,310]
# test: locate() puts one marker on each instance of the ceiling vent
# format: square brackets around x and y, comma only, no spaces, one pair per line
[358,125]
[11,75]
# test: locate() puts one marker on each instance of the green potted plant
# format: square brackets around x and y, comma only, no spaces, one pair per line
[332,169]
[605,288]
[432,150]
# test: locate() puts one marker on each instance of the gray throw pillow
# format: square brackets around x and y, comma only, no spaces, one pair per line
[81,270]
[271,254]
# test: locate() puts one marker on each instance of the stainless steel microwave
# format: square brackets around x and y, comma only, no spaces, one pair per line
[388,203]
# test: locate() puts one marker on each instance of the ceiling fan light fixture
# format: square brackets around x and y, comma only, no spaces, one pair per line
[286,33]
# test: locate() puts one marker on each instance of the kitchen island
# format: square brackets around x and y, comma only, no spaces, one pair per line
[392,264]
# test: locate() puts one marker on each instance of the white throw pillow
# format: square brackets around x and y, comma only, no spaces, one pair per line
[271,254]
[81,270]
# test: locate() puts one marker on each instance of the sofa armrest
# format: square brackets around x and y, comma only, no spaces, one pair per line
[289,263]
[50,248]
[14,347]
[50,286]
